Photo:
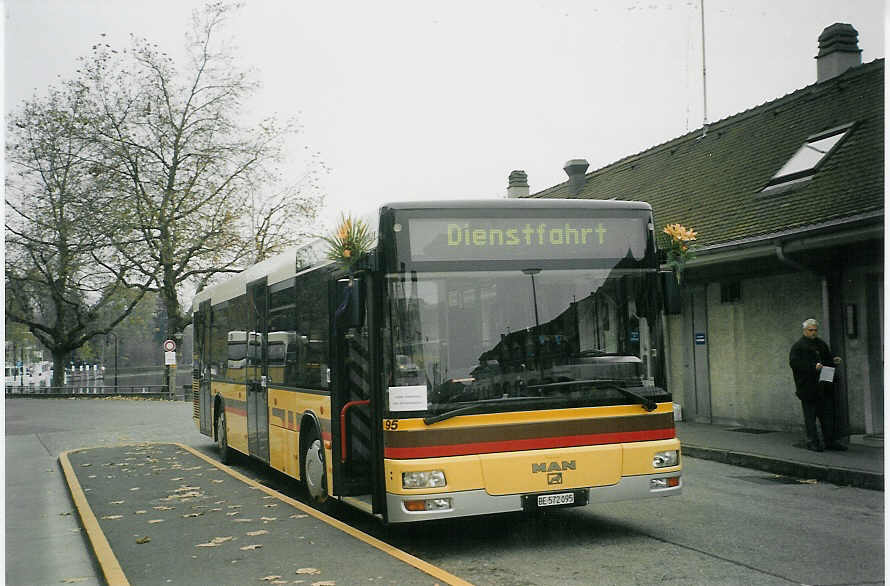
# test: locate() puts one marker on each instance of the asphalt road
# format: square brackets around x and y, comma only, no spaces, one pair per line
[731,525]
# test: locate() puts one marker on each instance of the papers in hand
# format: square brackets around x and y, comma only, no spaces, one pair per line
[826,374]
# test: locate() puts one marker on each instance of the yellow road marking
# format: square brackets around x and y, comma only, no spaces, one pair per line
[111,568]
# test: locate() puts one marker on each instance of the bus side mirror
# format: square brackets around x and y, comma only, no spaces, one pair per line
[673,301]
[350,312]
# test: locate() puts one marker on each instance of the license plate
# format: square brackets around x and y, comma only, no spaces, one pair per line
[550,500]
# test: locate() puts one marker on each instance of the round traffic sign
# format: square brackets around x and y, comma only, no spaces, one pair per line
[169,346]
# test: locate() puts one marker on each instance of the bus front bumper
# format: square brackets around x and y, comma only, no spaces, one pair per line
[478,502]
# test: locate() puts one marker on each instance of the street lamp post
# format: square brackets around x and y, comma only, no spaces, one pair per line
[115,356]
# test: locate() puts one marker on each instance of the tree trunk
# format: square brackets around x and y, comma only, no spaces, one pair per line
[60,361]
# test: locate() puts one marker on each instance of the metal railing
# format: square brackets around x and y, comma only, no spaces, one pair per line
[143,391]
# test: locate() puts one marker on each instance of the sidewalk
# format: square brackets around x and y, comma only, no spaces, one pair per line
[165,513]
[782,453]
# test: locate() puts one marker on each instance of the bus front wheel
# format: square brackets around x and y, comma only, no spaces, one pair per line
[222,440]
[315,471]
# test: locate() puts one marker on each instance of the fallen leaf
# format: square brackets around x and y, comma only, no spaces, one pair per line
[87,464]
[308,571]
[73,580]
[134,489]
[255,533]
[298,516]
[142,540]
[269,578]
[242,520]
[156,521]
[113,517]
[218,481]
[325,583]
[141,512]
[116,503]
[216,541]
[192,515]
[271,506]
[230,506]
[252,546]
[65,514]
[267,519]
[163,508]
[232,514]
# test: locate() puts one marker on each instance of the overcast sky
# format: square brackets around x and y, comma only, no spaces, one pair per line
[441,100]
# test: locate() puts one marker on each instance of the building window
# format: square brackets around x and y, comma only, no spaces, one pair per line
[731,292]
[804,163]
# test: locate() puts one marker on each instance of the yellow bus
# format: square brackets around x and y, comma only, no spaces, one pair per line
[484,357]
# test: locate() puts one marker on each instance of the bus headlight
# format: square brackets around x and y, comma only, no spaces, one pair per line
[424,479]
[665,459]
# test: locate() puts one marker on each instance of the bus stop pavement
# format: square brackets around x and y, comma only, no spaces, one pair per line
[163,513]
[784,453]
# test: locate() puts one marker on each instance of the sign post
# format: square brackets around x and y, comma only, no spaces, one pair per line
[170,365]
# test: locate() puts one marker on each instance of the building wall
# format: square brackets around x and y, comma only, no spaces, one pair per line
[748,343]
[751,382]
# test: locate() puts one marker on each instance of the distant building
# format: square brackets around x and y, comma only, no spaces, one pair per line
[788,202]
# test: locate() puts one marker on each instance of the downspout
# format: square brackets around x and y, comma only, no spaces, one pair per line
[825,324]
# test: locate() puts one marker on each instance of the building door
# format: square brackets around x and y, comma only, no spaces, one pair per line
[257,370]
[701,373]
[874,422]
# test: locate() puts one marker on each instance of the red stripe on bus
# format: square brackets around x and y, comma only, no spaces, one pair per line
[528,444]
[236,411]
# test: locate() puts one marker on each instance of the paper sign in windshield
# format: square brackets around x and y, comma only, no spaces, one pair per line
[410,398]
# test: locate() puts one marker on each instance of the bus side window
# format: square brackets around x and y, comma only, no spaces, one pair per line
[283,336]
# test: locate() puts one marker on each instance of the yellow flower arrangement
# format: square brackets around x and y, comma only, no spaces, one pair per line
[352,239]
[680,250]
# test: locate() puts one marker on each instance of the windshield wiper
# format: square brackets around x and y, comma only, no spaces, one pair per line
[470,407]
[647,402]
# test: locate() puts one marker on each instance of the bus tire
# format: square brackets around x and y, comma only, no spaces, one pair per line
[315,476]
[222,440]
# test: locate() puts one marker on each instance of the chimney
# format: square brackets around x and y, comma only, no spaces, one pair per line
[518,184]
[575,169]
[838,51]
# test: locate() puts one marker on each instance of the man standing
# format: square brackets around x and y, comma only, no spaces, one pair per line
[815,388]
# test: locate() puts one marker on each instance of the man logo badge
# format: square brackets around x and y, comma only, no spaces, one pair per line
[553,470]
[553,466]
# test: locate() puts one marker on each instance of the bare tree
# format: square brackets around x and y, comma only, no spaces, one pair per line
[201,193]
[64,279]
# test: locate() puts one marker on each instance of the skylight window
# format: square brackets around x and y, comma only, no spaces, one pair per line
[803,164]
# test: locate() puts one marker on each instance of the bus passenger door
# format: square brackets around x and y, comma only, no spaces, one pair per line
[257,371]
[351,388]
[202,367]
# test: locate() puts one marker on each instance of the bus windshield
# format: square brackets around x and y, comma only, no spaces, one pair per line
[520,339]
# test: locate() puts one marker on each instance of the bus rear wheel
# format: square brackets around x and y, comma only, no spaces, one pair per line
[222,440]
[315,472]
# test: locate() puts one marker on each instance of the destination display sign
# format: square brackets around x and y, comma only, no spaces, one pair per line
[444,239]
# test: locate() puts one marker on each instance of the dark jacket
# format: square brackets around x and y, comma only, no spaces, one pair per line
[804,355]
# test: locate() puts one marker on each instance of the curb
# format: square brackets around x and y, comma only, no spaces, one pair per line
[839,476]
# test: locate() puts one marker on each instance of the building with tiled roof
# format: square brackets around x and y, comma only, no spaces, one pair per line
[787,200]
